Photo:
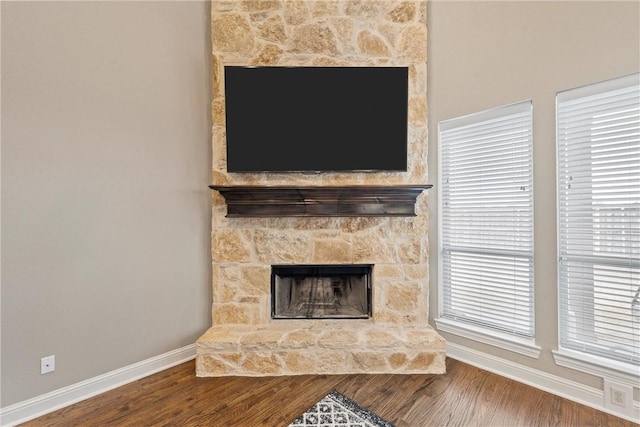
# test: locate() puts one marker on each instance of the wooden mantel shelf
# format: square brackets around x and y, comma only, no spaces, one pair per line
[349,200]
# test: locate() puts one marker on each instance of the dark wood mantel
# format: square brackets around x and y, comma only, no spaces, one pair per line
[348,200]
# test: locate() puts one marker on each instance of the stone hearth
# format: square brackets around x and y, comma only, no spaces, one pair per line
[243,339]
[319,347]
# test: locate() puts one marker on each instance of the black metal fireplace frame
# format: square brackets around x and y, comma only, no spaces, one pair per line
[323,269]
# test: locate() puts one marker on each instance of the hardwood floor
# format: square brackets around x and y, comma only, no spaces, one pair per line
[465,396]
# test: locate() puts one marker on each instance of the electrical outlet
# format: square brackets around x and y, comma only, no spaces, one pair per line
[47,364]
[618,398]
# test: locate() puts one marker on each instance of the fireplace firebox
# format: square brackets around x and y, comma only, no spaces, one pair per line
[321,291]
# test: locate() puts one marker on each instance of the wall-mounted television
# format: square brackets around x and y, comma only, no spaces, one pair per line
[316,119]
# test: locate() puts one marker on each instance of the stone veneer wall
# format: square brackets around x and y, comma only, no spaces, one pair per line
[319,33]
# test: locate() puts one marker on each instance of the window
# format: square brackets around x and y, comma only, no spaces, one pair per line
[486,226]
[599,222]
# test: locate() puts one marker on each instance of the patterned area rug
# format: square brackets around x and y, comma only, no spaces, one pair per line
[337,410]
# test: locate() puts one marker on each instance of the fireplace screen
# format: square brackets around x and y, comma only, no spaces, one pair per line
[321,291]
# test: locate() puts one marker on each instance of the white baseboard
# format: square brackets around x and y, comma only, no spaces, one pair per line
[553,384]
[57,399]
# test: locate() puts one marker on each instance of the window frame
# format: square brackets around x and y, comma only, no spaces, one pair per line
[510,341]
[591,363]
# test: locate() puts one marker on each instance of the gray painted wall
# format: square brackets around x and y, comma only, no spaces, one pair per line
[487,54]
[105,207]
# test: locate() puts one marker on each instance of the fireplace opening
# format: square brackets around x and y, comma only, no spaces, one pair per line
[321,291]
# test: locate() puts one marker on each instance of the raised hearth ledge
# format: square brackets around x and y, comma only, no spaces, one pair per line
[350,200]
[290,347]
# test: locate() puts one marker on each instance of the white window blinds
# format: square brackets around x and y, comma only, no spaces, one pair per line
[486,214]
[599,219]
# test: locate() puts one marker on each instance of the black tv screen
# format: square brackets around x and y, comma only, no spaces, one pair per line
[314,119]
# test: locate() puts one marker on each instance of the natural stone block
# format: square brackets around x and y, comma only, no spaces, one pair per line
[259,5]
[369,254]
[269,55]
[324,61]
[331,363]
[353,225]
[417,111]
[250,300]
[262,363]
[274,246]
[418,172]
[404,12]
[422,12]
[402,297]
[397,360]
[231,357]
[409,250]
[418,83]
[416,271]
[224,5]
[231,33]
[316,223]
[370,361]
[364,9]
[425,338]
[388,271]
[328,234]
[219,155]
[314,39]
[331,251]
[217,72]
[344,28]
[225,314]
[411,226]
[298,339]
[296,12]
[300,363]
[413,43]
[422,361]
[405,226]
[211,366]
[384,316]
[230,273]
[338,339]
[261,339]
[365,249]
[321,8]
[218,111]
[272,29]
[380,339]
[371,44]
[227,292]
[256,280]
[390,33]
[228,245]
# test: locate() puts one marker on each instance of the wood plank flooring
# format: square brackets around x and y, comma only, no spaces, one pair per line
[464,396]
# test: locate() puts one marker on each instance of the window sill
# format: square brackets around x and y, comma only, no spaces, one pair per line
[523,346]
[621,372]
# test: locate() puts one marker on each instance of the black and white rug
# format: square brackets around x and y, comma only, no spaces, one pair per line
[337,410]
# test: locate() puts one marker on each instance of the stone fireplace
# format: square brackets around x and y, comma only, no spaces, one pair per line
[250,335]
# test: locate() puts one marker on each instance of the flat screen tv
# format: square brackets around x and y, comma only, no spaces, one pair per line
[316,119]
